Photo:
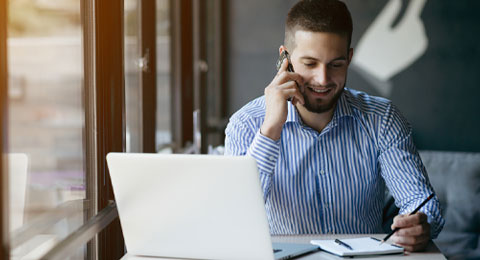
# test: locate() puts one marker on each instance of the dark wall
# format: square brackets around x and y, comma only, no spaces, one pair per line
[437,92]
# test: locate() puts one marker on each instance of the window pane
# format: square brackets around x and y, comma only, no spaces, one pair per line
[163,133]
[46,120]
[133,109]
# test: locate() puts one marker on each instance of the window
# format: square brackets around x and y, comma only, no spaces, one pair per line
[134,64]
[85,78]
[46,120]
[163,134]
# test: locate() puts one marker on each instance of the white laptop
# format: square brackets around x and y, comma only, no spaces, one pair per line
[193,206]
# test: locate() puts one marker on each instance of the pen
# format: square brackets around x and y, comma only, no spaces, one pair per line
[338,241]
[413,212]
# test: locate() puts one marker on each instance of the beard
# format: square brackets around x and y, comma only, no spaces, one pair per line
[317,106]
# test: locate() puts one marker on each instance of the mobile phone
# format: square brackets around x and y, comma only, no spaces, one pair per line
[285,55]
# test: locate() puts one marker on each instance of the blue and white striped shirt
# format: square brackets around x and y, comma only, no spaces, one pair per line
[334,181]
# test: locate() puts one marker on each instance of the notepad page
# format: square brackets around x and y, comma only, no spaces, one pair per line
[360,246]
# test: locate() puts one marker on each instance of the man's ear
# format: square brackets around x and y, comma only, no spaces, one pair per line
[350,55]
[281,49]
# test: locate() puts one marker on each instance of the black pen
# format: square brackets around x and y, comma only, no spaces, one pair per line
[413,212]
[338,241]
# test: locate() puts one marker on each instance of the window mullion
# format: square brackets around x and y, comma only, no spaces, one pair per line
[148,75]
[110,111]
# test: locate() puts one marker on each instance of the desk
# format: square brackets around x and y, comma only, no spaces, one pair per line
[431,253]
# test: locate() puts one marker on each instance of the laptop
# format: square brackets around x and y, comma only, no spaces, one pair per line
[193,206]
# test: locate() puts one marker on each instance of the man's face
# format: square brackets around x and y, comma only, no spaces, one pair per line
[322,60]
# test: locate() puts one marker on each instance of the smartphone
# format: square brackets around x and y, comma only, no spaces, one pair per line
[285,55]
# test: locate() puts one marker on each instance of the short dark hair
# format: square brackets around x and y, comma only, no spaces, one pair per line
[318,16]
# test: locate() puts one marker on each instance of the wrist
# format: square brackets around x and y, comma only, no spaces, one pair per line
[271,132]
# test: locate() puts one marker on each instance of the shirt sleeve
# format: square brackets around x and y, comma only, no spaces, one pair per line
[243,138]
[403,170]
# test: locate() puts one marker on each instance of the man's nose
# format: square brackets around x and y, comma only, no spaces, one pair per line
[321,75]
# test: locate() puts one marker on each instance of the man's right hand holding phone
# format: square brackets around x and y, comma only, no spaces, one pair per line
[282,87]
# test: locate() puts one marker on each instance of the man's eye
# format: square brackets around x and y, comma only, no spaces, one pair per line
[336,65]
[309,64]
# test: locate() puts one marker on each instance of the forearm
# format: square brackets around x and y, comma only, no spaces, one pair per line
[265,151]
[408,183]
[240,142]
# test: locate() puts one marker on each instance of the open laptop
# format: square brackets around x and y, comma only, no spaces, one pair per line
[193,206]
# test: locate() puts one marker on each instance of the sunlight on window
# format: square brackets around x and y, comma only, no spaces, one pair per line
[163,133]
[46,118]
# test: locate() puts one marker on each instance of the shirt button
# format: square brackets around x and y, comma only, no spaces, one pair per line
[326,205]
[271,158]
[322,172]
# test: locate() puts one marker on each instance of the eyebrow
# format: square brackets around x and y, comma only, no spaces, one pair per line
[341,58]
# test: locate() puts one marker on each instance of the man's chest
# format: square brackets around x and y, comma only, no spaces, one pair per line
[336,155]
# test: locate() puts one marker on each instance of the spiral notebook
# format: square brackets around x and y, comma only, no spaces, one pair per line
[358,246]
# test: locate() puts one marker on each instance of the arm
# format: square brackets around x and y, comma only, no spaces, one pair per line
[243,138]
[262,141]
[407,180]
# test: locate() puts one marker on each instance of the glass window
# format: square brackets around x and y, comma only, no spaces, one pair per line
[46,121]
[133,64]
[163,133]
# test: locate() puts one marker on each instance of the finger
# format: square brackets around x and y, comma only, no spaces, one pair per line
[402,221]
[423,218]
[283,67]
[397,221]
[294,94]
[413,248]
[416,230]
[412,235]
[289,76]
[409,240]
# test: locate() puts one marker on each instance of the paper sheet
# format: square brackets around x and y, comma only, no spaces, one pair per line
[360,246]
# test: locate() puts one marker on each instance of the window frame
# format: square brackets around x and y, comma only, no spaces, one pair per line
[4,204]
[109,113]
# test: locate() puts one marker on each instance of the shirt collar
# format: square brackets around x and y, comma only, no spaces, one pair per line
[342,109]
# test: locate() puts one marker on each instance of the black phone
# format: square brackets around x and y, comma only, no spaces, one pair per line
[284,55]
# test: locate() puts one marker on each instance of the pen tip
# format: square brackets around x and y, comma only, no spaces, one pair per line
[381,242]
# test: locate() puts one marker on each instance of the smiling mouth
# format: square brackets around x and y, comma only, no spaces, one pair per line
[319,90]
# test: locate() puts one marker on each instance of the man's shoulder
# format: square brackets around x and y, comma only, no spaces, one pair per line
[254,109]
[365,104]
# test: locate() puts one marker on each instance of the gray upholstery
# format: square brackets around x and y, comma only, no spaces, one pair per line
[455,176]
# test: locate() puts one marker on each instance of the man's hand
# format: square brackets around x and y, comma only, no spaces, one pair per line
[282,87]
[414,232]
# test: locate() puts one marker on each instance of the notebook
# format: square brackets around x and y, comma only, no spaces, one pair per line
[359,246]
[193,206]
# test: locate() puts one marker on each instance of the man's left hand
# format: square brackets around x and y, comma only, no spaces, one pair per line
[414,232]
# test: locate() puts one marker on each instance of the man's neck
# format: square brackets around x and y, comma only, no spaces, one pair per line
[317,121]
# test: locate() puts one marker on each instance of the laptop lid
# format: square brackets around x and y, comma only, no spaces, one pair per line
[190,206]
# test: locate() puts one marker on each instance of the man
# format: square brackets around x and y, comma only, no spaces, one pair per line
[326,157]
